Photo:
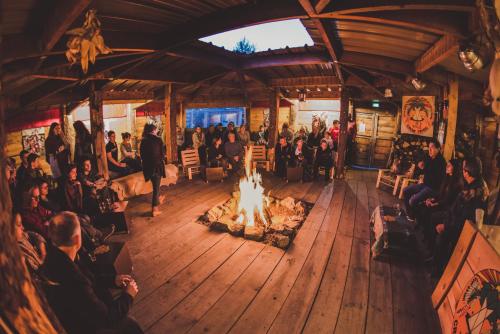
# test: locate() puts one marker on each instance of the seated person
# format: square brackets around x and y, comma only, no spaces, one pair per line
[434,173]
[35,217]
[23,167]
[230,129]
[129,156]
[470,205]
[216,154]
[93,188]
[33,173]
[244,135]
[32,246]
[10,175]
[323,159]
[262,136]
[287,133]
[112,154]
[78,299]
[47,199]
[73,193]
[302,156]
[198,138]
[234,152]
[282,155]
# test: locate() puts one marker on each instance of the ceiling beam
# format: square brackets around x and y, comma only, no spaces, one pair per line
[311,81]
[439,51]
[387,64]
[320,5]
[307,58]
[243,86]
[332,44]
[364,80]
[62,16]
[368,6]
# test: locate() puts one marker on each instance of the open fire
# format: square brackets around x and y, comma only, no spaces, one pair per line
[256,216]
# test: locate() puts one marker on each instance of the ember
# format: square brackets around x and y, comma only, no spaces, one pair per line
[255,216]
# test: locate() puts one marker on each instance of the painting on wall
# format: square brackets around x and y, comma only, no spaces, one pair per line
[34,140]
[417,115]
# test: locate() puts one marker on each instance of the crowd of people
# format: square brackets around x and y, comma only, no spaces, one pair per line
[59,231]
[450,193]
[314,151]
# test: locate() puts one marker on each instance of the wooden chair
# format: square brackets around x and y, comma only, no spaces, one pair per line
[259,157]
[407,182]
[322,171]
[389,178]
[190,163]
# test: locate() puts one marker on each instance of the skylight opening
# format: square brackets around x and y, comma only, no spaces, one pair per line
[273,35]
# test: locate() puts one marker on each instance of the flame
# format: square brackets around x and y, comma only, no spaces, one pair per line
[252,198]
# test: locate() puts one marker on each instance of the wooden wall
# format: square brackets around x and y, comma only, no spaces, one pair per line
[257,117]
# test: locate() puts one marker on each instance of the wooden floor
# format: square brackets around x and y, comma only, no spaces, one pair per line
[193,280]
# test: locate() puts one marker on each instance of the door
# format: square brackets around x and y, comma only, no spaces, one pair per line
[375,133]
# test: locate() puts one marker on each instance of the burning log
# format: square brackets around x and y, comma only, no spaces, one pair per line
[255,233]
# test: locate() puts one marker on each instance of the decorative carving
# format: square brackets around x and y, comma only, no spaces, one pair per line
[86,43]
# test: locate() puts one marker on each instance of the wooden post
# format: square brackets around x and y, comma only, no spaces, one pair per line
[170,123]
[342,149]
[451,125]
[274,108]
[97,130]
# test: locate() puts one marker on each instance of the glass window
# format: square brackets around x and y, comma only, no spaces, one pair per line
[205,116]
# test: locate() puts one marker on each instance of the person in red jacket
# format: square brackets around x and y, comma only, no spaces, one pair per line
[34,216]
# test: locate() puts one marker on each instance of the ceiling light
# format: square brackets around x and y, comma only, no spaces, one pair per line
[308,90]
[388,92]
[297,90]
[418,84]
[302,96]
[470,58]
[318,89]
[329,89]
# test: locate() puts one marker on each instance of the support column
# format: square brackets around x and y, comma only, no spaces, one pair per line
[97,130]
[344,115]
[170,138]
[451,124]
[274,108]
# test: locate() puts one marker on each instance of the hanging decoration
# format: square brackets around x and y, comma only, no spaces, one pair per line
[86,43]
[417,116]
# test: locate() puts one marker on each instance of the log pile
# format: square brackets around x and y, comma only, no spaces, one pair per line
[286,217]
[409,149]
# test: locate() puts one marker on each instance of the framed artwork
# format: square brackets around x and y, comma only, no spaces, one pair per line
[34,140]
[417,115]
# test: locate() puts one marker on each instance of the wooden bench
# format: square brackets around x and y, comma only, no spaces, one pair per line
[134,184]
[388,178]
[473,263]
[190,163]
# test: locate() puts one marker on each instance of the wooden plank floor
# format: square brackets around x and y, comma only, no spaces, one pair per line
[193,280]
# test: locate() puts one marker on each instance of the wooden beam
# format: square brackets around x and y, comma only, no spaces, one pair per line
[376,62]
[198,91]
[369,6]
[332,44]
[62,16]
[312,81]
[451,124]
[307,58]
[344,118]
[364,79]
[274,103]
[170,114]
[97,129]
[320,5]
[439,51]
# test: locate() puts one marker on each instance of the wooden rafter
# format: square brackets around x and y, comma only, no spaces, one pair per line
[311,81]
[369,6]
[241,81]
[320,5]
[327,35]
[439,51]
[363,79]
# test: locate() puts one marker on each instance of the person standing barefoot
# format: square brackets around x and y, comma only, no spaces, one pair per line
[153,163]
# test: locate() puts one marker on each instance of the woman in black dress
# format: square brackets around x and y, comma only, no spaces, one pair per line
[56,151]
[83,143]
[153,163]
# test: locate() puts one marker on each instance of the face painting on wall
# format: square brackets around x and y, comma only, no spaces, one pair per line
[417,115]
[34,140]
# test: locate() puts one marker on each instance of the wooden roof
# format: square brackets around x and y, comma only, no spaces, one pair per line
[368,45]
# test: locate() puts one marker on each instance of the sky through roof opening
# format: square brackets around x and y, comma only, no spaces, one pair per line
[274,35]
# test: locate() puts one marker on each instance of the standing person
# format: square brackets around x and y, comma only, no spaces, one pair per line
[283,154]
[21,170]
[153,163]
[33,174]
[129,156]
[244,135]
[199,144]
[112,154]
[314,138]
[285,132]
[434,174]
[351,141]
[219,131]
[83,143]
[210,135]
[180,140]
[56,151]
[335,134]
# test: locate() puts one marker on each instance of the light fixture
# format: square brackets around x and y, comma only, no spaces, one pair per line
[329,89]
[308,90]
[297,90]
[302,96]
[418,84]
[388,92]
[318,89]
[470,58]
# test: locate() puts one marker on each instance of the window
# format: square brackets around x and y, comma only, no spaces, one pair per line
[205,116]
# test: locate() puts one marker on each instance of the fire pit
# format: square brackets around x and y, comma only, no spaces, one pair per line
[253,215]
